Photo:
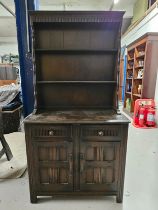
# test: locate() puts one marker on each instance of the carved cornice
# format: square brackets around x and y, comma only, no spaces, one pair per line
[76,17]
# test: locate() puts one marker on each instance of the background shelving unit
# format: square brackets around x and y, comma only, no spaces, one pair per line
[141,70]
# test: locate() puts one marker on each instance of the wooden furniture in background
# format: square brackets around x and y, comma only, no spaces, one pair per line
[5,147]
[8,74]
[121,78]
[76,140]
[151,2]
[7,82]
[11,120]
[141,56]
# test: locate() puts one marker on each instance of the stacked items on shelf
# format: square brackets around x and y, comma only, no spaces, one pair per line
[10,97]
[138,70]
[129,78]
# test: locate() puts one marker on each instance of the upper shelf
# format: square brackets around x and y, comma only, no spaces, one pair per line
[139,67]
[78,51]
[141,56]
[131,59]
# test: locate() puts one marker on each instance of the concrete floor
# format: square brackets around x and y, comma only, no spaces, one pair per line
[141,185]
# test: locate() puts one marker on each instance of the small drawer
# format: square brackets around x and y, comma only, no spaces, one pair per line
[51,131]
[101,132]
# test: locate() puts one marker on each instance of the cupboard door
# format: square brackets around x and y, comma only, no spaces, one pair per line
[99,163]
[54,166]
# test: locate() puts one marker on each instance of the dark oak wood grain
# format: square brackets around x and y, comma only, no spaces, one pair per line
[75,138]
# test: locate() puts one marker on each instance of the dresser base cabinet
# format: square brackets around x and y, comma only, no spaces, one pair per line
[76,158]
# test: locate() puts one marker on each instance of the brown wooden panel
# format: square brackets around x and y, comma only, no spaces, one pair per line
[76,39]
[109,153]
[52,153]
[52,67]
[43,153]
[90,153]
[63,176]
[60,96]
[98,165]
[49,39]
[107,175]
[79,36]
[121,78]
[44,177]
[7,82]
[54,165]
[150,71]
[54,176]
[62,154]
[89,175]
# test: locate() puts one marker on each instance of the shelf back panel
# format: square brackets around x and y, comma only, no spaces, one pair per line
[80,36]
[75,67]
[78,95]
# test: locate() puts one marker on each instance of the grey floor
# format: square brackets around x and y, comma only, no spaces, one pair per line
[141,182]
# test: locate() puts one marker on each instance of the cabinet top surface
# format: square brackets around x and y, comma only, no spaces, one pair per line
[82,117]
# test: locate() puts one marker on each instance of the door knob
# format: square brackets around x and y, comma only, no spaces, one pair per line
[100,133]
[51,133]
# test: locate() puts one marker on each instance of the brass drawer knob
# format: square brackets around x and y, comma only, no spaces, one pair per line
[51,133]
[100,133]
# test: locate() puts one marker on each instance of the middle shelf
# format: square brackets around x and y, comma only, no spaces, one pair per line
[78,51]
[76,82]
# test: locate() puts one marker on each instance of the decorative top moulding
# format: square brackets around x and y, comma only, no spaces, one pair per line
[76,16]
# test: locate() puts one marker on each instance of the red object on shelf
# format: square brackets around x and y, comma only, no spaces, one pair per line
[144,113]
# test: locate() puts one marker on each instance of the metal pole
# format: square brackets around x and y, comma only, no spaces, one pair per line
[25,57]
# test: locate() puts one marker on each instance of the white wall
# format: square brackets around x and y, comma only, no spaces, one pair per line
[8,48]
[8,45]
[100,5]
[8,39]
[148,24]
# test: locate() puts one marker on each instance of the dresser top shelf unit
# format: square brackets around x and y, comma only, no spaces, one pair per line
[76,59]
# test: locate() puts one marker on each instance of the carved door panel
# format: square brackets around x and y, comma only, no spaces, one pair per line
[54,162]
[99,166]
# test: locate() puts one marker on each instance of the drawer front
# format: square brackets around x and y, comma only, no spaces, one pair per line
[101,132]
[51,131]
